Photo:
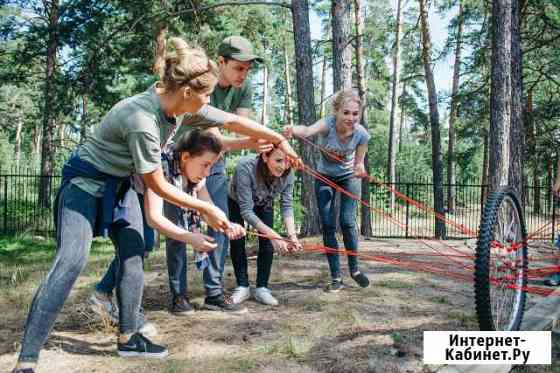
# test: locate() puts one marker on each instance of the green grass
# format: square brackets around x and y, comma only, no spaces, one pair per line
[25,258]
[393,284]
[440,300]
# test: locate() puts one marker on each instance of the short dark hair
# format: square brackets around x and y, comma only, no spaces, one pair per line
[196,142]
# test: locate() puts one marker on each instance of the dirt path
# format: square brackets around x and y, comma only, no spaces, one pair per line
[378,329]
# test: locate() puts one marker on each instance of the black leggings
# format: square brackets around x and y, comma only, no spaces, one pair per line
[237,247]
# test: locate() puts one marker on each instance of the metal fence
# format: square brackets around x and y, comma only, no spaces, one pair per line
[20,211]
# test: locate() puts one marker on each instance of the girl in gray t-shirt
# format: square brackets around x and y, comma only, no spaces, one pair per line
[344,142]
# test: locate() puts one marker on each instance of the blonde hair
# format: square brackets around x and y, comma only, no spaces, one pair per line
[343,96]
[188,66]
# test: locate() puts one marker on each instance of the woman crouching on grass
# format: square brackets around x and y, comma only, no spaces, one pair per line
[256,182]
[186,164]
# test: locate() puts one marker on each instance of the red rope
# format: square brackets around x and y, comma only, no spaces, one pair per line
[460,227]
[420,266]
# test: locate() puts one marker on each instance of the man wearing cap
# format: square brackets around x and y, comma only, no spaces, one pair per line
[232,94]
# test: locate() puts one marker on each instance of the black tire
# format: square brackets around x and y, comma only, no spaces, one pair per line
[488,258]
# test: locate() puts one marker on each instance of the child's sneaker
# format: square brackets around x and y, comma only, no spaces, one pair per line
[360,279]
[180,306]
[222,303]
[553,280]
[140,346]
[335,286]
[264,296]
[240,294]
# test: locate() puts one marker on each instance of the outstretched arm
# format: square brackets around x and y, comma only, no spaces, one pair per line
[306,131]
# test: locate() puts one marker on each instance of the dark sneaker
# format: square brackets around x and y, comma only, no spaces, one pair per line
[140,346]
[360,279]
[180,306]
[222,303]
[335,286]
[23,370]
[553,280]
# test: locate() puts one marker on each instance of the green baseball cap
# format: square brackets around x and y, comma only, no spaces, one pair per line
[238,48]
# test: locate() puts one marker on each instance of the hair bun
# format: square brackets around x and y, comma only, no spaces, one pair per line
[181,46]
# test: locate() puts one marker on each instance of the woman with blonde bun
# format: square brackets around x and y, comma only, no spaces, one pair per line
[95,197]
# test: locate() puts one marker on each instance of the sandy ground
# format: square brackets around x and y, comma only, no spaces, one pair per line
[378,329]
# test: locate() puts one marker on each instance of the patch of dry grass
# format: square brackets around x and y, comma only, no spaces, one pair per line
[378,329]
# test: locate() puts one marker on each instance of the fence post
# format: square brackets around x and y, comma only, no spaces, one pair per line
[553,217]
[407,209]
[5,204]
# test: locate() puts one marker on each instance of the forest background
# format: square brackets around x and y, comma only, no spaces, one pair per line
[492,104]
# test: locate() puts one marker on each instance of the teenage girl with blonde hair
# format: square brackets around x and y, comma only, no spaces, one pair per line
[342,135]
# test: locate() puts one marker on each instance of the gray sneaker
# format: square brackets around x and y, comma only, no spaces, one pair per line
[264,296]
[102,304]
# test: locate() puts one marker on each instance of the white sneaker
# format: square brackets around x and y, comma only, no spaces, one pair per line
[103,306]
[263,295]
[240,294]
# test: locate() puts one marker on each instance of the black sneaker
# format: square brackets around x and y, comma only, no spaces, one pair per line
[222,303]
[180,306]
[360,279]
[23,370]
[335,286]
[553,280]
[140,346]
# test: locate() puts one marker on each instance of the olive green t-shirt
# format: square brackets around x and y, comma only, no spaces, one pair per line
[127,141]
[230,98]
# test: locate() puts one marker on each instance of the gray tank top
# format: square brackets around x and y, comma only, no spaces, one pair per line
[345,150]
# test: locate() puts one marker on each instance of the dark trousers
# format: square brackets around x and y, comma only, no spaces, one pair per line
[237,253]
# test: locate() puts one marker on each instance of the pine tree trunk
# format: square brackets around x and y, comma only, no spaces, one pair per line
[517,130]
[49,116]
[18,141]
[264,114]
[453,116]
[306,108]
[19,127]
[500,96]
[84,124]
[287,77]
[37,137]
[402,124]
[359,11]
[485,161]
[61,134]
[437,163]
[392,158]
[342,60]
[536,194]
[342,53]
[323,86]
